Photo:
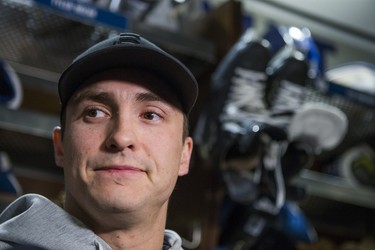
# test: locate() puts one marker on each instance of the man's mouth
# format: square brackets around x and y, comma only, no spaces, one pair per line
[115,168]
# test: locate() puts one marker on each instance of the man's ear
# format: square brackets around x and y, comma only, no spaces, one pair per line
[185,156]
[58,147]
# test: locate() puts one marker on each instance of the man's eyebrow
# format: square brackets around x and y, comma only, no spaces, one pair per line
[147,96]
[107,98]
[152,97]
[92,96]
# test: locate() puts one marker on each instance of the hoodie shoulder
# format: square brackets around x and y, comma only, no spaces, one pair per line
[34,220]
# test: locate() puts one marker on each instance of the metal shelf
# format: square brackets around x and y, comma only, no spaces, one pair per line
[335,188]
[26,137]
[28,122]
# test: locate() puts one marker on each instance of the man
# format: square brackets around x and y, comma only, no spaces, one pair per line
[122,143]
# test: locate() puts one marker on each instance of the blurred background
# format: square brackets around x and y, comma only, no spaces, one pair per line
[270,170]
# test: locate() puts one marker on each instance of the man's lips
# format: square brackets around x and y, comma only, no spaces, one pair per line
[119,168]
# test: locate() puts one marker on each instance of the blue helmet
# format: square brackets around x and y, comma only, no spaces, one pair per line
[10,87]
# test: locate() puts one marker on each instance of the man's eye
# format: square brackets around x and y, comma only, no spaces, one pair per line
[151,116]
[95,113]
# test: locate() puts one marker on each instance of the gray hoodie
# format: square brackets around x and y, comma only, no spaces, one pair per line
[33,220]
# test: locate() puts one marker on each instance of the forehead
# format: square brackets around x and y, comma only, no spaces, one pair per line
[144,79]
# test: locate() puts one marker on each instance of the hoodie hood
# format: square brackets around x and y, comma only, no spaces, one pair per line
[33,220]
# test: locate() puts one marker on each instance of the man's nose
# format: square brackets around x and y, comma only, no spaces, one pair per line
[121,135]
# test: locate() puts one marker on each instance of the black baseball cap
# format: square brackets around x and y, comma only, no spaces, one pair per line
[129,50]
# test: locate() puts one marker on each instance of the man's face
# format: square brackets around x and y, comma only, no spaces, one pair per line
[122,148]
